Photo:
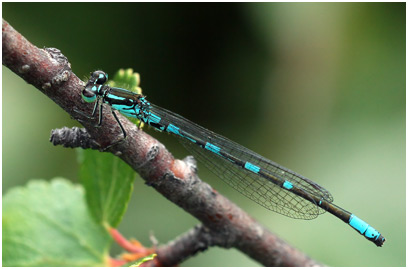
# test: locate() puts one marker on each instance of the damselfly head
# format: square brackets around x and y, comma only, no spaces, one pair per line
[99,77]
[89,93]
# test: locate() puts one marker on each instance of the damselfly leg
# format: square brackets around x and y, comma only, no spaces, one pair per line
[100,117]
[92,115]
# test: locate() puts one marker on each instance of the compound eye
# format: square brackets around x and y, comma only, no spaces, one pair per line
[100,77]
[88,95]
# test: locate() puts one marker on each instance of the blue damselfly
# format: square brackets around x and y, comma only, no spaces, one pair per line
[263,181]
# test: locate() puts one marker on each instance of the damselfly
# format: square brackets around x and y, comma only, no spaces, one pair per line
[263,181]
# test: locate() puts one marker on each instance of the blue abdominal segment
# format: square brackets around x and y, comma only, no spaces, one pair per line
[212,148]
[287,185]
[251,167]
[363,228]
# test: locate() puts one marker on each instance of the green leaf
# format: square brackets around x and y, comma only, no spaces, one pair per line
[108,182]
[143,260]
[48,224]
[126,79]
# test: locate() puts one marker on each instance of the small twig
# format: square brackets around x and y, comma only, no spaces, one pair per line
[73,138]
[224,224]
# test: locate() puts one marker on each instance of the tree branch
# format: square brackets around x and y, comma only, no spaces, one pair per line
[223,223]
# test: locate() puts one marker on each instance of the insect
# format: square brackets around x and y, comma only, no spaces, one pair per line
[261,180]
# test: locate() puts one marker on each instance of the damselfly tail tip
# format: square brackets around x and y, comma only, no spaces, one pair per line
[379,241]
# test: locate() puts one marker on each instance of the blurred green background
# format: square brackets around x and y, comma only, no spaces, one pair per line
[316,87]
